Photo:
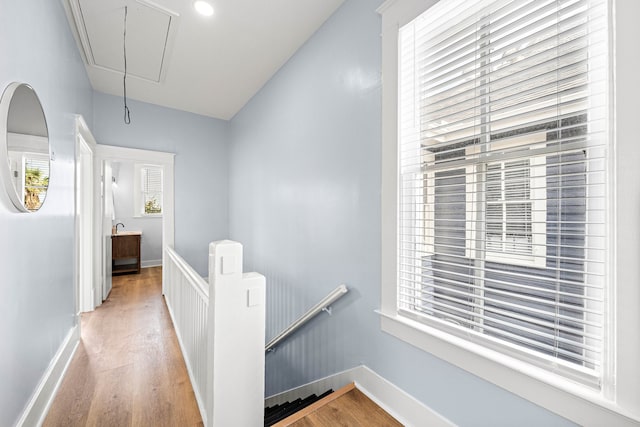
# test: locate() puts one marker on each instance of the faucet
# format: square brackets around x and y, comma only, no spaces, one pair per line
[118,225]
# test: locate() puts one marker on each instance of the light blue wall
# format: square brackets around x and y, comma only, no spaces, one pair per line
[200,144]
[36,250]
[305,202]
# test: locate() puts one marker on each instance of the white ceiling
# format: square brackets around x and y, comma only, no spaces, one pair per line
[179,59]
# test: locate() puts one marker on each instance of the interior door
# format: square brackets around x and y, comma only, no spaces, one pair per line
[107,220]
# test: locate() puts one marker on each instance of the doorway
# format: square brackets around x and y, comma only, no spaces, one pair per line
[94,211]
[114,164]
[137,207]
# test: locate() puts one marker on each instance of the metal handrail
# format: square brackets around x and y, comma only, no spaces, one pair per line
[323,305]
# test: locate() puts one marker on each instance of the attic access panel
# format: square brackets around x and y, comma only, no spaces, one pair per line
[149,30]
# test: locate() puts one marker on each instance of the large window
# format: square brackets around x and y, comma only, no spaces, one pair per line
[502,177]
[497,151]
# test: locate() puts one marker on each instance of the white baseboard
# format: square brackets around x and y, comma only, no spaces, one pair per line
[38,407]
[151,263]
[405,408]
[400,404]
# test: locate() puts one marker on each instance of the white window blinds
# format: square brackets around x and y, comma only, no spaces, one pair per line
[151,178]
[503,177]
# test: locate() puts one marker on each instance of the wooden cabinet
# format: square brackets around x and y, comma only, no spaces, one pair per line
[125,250]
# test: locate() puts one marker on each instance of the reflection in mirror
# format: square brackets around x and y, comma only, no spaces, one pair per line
[25,167]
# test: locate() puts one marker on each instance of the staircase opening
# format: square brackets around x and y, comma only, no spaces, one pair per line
[346,406]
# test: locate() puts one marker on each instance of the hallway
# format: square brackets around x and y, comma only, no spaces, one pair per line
[128,369]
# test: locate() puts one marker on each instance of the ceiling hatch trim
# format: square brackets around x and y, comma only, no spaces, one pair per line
[151,31]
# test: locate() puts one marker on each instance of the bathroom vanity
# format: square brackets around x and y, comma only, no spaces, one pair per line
[126,252]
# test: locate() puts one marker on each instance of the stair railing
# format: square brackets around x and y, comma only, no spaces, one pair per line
[324,305]
[187,297]
[220,327]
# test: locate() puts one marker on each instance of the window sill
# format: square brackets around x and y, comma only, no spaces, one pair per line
[575,402]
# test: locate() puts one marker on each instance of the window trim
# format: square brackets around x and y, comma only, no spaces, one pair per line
[617,403]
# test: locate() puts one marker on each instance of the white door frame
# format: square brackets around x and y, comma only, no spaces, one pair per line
[105,226]
[163,159]
[84,216]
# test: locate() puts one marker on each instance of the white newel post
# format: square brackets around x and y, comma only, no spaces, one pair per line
[236,336]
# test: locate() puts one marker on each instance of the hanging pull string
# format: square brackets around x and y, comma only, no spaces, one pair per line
[127,117]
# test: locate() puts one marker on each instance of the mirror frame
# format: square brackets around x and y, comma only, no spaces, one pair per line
[5,171]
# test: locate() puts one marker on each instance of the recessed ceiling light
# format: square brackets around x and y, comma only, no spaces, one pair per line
[203,8]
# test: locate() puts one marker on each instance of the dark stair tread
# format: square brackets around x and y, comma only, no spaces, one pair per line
[279,412]
[284,408]
[287,410]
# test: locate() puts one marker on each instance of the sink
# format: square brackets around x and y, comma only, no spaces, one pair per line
[128,233]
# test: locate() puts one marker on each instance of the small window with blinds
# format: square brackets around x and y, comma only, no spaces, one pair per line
[150,197]
[502,177]
[36,180]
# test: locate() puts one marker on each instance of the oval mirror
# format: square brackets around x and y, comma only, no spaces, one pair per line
[24,147]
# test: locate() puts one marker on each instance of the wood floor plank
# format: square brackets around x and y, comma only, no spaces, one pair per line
[71,409]
[128,369]
[111,403]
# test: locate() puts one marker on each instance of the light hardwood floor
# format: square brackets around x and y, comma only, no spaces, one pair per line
[128,369]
